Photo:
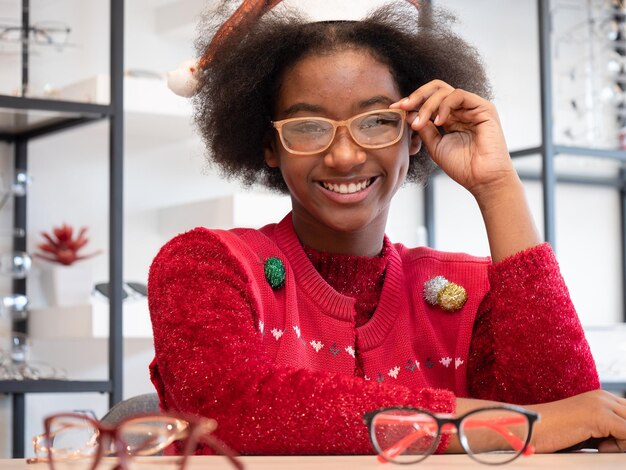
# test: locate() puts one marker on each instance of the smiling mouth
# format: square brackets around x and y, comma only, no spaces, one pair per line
[347,188]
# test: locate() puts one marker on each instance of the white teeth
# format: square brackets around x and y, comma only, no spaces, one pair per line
[347,188]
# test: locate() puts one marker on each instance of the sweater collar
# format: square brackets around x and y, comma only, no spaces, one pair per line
[335,304]
[348,274]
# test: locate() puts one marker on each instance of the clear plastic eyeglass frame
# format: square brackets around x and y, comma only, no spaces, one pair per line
[493,436]
[72,437]
[325,137]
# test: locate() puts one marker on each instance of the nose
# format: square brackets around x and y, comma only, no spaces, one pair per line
[344,153]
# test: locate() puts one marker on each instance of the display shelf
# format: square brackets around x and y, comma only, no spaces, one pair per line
[235,210]
[88,321]
[59,106]
[55,386]
[611,386]
[616,154]
[26,118]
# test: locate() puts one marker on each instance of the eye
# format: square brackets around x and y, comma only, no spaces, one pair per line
[309,126]
[379,120]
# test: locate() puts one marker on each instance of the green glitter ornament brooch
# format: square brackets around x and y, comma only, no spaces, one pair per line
[274,272]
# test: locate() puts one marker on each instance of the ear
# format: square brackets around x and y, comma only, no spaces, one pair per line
[269,152]
[415,144]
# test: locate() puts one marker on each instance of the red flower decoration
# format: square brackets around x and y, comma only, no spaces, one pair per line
[62,247]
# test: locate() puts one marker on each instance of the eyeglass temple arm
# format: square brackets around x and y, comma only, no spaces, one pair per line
[400,446]
[497,425]
[222,449]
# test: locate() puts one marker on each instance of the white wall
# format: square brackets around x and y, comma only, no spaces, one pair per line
[69,173]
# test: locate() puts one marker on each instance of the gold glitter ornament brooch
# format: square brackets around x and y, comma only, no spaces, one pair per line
[274,272]
[448,295]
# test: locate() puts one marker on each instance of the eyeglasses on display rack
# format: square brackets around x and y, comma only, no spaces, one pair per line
[15,305]
[15,264]
[51,33]
[77,441]
[15,363]
[373,130]
[492,436]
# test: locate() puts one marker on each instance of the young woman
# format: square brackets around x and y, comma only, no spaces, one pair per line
[287,335]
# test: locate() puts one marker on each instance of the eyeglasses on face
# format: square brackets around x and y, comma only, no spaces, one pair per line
[372,130]
[79,442]
[492,436]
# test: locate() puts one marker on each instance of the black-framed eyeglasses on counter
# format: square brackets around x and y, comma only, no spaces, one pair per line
[78,442]
[495,435]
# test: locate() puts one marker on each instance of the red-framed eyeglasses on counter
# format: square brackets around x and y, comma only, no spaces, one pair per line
[495,435]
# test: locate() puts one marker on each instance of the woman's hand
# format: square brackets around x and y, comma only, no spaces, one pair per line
[472,150]
[594,419]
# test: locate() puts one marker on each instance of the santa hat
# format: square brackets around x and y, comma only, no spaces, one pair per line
[184,81]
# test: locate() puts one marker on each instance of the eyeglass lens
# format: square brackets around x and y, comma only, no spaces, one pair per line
[488,436]
[72,441]
[149,436]
[494,436]
[311,135]
[404,436]
[75,442]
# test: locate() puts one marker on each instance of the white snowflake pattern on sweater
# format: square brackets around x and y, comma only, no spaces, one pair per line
[393,372]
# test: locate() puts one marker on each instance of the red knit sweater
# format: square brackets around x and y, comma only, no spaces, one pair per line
[221,352]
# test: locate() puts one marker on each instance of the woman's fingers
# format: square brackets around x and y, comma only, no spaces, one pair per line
[612,425]
[411,116]
[432,107]
[435,101]
[425,99]
[612,445]
[419,96]
[431,137]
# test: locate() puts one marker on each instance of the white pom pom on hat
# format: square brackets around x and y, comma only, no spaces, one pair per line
[185,79]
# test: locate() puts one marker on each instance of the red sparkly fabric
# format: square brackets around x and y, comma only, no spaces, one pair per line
[222,351]
[360,277]
[527,331]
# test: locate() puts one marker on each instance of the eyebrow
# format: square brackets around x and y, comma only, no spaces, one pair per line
[312,108]
[380,99]
[293,109]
